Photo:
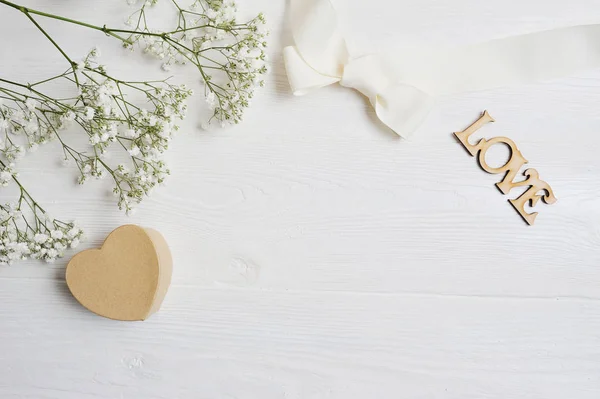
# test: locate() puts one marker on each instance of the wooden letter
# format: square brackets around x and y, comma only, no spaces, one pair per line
[531,195]
[510,168]
[463,136]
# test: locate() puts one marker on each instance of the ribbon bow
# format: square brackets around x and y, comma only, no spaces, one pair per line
[402,86]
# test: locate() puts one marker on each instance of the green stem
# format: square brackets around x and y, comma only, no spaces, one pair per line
[50,79]
[106,30]
[49,38]
[28,87]
[23,190]
[28,11]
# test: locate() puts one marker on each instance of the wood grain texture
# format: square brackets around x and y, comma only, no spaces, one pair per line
[316,255]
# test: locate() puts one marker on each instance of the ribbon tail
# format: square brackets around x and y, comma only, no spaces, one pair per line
[393,80]
[497,63]
[403,108]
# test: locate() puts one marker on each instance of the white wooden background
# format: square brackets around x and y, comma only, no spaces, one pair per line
[316,254]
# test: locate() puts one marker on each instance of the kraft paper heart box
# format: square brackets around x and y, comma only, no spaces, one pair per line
[127,278]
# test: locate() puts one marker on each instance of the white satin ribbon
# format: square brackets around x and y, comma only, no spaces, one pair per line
[402,85]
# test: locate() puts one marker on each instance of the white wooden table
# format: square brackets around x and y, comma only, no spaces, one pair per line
[316,254]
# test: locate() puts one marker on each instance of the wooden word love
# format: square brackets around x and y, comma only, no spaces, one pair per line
[537,188]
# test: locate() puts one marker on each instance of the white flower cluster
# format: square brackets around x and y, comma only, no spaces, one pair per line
[25,120]
[109,118]
[46,239]
[105,110]
[7,173]
[100,116]
[221,13]
[245,62]
[230,56]
[26,231]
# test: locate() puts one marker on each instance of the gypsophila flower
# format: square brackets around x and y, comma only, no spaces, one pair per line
[111,122]
[146,133]
[33,234]
[89,113]
[230,55]
[230,58]
[7,173]
[40,238]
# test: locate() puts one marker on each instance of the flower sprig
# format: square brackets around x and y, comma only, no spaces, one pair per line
[229,56]
[111,121]
[26,230]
